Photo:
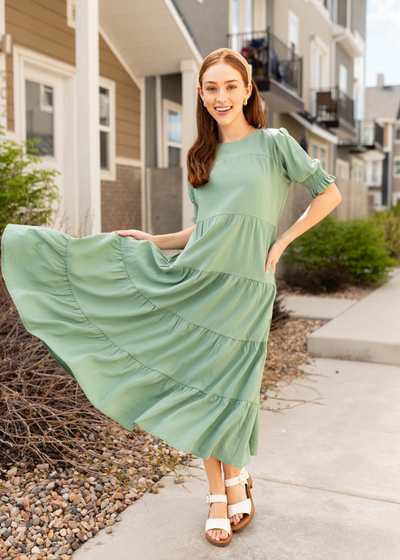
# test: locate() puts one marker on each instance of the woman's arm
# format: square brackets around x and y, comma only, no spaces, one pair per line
[176,240]
[320,207]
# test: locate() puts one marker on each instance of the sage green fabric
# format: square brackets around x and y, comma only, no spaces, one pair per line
[175,344]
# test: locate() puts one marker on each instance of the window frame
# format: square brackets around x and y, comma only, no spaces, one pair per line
[396,162]
[71,13]
[396,128]
[109,174]
[170,105]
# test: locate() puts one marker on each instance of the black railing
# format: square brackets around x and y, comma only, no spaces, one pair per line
[368,133]
[332,105]
[269,58]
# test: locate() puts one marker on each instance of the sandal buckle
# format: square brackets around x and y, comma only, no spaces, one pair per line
[242,477]
[208,498]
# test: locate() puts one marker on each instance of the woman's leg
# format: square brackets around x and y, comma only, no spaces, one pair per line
[235,493]
[216,486]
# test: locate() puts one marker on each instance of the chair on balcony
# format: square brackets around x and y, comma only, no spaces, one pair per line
[324,99]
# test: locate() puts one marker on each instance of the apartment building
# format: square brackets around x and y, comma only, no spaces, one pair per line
[110,89]
[382,170]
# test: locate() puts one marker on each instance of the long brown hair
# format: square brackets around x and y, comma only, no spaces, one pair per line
[201,156]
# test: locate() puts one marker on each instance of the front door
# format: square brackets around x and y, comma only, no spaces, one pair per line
[43,118]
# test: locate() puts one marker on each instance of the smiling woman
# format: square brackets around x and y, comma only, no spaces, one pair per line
[177,344]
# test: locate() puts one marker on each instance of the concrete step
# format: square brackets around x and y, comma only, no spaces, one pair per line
[367,331]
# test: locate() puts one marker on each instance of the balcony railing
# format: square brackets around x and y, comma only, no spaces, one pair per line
[331,105]
[269,58]
[368,133]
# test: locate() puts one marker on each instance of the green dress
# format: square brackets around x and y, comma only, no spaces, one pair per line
[175,344]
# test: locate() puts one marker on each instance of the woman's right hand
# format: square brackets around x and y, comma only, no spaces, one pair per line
[137,233]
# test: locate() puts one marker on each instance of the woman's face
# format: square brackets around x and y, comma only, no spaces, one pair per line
[223,93]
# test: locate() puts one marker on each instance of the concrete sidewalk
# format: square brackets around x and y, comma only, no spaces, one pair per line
[368,330]
[326,481]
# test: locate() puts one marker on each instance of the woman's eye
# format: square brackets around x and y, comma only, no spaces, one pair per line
[210,88]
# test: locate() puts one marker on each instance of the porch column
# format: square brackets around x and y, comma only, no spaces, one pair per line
[3,80]
[87,71]
[189,70]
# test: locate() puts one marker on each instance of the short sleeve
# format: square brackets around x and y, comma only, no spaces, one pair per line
[193,199]
[297,166]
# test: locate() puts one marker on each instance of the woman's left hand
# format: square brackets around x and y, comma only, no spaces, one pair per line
[274,254]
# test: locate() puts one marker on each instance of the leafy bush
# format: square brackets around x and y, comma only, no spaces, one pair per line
[335,253]
[389,220]
[26,193]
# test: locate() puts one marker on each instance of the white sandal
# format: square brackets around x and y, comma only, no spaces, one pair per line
[218,522]
[245,506]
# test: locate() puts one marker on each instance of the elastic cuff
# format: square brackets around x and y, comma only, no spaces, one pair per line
[319,181]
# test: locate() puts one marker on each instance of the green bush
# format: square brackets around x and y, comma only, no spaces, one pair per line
[389,220]
[335,253]
[26,193]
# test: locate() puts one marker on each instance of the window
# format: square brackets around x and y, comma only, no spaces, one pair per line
[235,24]
[293,31]
[343,78]
[357,170]
[396,163]
[172,134]
[397,134]
[39,117]
[107,129]
[249,15]
[318,152]
[343,169]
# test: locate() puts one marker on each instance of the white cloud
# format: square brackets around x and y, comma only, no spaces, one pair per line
[383,11]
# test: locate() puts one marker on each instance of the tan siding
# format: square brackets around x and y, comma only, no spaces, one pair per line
[41,25]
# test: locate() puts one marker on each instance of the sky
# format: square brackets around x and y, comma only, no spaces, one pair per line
[382,47]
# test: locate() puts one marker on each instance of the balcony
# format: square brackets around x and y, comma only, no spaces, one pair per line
[369,138]
[334,109]
[276,69]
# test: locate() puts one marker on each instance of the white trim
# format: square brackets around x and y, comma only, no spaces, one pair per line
[120,59]
[159,121]
[395,160]
[111,173]
[24,60]
[177,107]
[129,162]
[71,13]
[3,72]
[322,10]
[182,27]
[315,129]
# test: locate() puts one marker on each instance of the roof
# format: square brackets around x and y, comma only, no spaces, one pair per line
[382,102]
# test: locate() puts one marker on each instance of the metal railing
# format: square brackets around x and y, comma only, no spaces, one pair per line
[269,58]
[368,133]
[331,105]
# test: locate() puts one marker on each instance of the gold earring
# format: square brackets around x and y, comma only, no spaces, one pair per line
[245,101]
[204,103]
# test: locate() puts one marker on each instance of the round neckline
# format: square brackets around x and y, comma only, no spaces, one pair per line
[242,139]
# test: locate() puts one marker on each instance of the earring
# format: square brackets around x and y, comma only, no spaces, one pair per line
[204,103]
[245,101]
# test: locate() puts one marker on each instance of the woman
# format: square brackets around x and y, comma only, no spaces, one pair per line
[177,344]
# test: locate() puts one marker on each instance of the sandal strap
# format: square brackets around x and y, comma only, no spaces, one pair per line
[211,498]
[241,507]
[219,523]
[241,478]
